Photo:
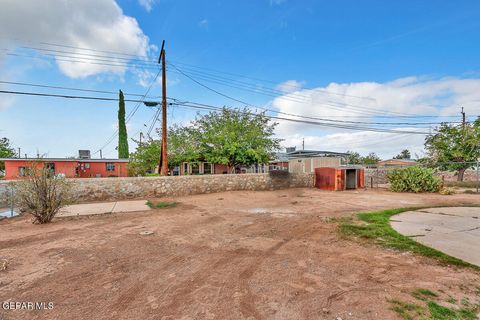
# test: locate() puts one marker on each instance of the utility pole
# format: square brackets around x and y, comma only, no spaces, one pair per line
[19,154]
[101,154]
[463,118]
[141,135]
[163,168]
[303,144]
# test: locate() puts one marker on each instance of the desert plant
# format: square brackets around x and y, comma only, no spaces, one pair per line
[446,191]
[42,194]
[413,179]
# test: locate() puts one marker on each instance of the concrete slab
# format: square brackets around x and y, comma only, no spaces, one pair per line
[102,208]
[129,206]
[454,231]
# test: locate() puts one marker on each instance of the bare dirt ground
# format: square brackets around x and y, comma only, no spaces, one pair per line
[232,255]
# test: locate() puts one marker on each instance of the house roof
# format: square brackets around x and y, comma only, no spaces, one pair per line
[286,156]
[399,160]
[314,153]
[64,160]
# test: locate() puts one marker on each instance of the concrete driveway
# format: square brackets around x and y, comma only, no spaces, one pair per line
[454,231]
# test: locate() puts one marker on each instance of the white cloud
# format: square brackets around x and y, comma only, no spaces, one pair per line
[342,102]
[277,2]
[203,23]
[147,4]
[289,86]
[91,24]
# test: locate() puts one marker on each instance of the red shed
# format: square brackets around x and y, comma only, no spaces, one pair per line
[340,178]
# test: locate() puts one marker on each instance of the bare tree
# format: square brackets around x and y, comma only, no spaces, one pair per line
[43,193]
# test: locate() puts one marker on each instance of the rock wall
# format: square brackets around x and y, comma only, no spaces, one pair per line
[94,189]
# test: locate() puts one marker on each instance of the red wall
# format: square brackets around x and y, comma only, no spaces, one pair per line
[100,168]
[68,168]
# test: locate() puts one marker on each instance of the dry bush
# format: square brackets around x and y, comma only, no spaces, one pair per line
[42,194]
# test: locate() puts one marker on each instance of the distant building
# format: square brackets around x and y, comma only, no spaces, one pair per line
[18,168]
[305,161]
[396,163]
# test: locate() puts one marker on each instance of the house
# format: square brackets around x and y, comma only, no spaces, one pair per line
[18,168]
[305,161]
[201,167]
[396,163]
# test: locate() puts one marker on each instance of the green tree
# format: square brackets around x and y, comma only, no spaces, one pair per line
[235,136]
[453,145]
[371,159]
[183,145]
[122,129]
[354,157]
[145,158]
[404,154]
[6,151]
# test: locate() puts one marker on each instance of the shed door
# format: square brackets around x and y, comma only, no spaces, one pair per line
[351,177]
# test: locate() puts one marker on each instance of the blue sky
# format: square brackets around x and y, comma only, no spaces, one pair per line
[403,57]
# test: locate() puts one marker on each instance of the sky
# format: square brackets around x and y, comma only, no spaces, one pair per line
[326,64]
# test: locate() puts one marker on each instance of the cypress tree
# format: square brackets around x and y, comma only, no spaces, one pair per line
[122,129]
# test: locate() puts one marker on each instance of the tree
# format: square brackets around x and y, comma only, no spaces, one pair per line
[122,129]
[354,157]
[43,194]
[183,145]
[6,151]
[451,146]
[235,136]
[145,158]
[371,159]
[405,154]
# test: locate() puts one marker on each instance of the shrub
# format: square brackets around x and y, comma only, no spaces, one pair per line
[42,194]
[413,179]
[447,191]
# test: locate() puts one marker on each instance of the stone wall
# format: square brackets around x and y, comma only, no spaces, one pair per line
[94,189]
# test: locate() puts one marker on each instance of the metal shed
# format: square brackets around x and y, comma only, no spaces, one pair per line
[339,178]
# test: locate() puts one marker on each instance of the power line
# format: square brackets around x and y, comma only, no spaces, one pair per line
[142,100]
[66,88]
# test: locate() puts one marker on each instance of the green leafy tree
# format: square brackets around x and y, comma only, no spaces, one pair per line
[183,145]
[354,157]
[6,151]
[145,158]
[371,159]
[122,129]
[404,154]
[235,136]
[453,145]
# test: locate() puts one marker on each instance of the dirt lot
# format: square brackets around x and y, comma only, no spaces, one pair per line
[235,255]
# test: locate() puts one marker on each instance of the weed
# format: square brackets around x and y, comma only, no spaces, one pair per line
[423,294]
[160,205]
[407,311]
[377,228]
[438,312]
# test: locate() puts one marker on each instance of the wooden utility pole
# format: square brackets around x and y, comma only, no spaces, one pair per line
[463,118]
[163,168]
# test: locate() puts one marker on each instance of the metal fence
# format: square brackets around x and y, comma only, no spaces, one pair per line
[376,176]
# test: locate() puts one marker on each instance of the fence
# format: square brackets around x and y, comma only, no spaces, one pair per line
[376,177]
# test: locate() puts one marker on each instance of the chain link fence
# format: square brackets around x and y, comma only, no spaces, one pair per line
[376,176]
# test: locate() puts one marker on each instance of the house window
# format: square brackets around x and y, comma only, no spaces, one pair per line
[110,166]
[195,168]
[185,168]
[50,166]
[207,168]
[22,171]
